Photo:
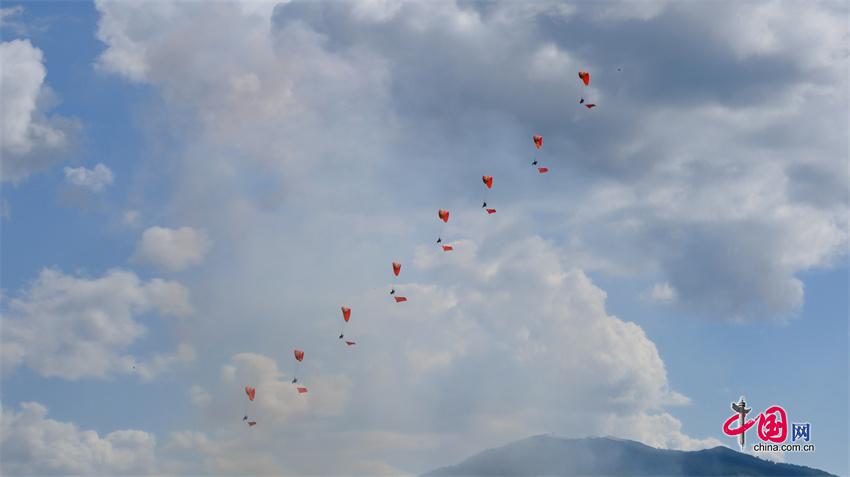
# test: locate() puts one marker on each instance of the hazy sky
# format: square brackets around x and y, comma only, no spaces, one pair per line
[193,189]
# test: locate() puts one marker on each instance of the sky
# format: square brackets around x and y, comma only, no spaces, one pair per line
[191,190]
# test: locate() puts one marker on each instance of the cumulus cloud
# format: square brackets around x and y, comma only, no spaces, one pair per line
[75,327]
[95,179]
[172,249]
[326,135]
[439,88]
[31,140]
[33,444]
[413,388]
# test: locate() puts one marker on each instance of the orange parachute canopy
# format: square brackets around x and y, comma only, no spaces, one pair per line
[491,211]
[443,215]
[543,170]
[301,390]
[396,268]
[346,314]
[585,76]
[488,181]
[589,105]
[538,141]
[447,248]
[250,392]
[299,355]
[350,343]
[400,299]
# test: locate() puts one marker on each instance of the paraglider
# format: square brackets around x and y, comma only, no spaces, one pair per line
[299,357]
[252,423]
[350,343]
[251,392]
[447,248]
[444,216]
[585,77]
[346,315]
[488,182]
[396,271]
[589,105]
[538,143]
[301,390]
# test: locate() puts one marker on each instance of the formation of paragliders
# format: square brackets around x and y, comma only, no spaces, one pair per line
[443,216]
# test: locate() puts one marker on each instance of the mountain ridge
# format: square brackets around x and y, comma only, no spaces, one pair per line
[545,455]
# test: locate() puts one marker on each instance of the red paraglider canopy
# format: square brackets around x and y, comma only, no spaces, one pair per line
[400,299]
[538,141]
[396,268]
[350,343]
[346,314]
[299,355]
[443,215]
[585,76]
[590,105]
[543,170]
[250,392]
[491,211]
[447,248]
[252,423]
[488,181]
[302,390]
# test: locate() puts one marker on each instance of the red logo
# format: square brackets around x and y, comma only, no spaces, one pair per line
[771,425]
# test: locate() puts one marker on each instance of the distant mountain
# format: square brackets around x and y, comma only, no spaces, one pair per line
[551,456]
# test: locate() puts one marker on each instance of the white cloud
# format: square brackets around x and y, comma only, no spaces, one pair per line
[31,141]
[172,249]
[660,430]
[661,293]
[33,444]
[76,327]
[95,179]
[306,202]
[283,86]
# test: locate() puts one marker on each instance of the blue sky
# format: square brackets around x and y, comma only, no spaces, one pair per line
[267,163]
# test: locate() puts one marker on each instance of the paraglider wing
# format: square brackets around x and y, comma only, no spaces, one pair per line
[488,181]
[400,299]
[585,77]
[346,314]
[252,423]
[447,248]
[396,268]
[491,211]
[301,390]
[590,106]
[250,392]
[350,343]
[443,215]
[543,170]
[538,141]
[299,355]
